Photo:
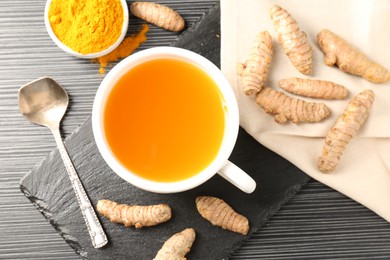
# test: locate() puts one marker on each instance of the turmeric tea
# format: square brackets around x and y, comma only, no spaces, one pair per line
[173,122]
[86,26]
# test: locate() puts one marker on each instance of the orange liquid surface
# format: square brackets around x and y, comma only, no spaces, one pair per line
[164,120]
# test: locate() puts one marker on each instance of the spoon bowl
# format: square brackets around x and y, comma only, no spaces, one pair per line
[44,102]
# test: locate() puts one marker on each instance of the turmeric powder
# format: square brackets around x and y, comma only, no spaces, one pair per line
[86,26]
[128,45]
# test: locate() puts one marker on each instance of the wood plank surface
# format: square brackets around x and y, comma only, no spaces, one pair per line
[318,223]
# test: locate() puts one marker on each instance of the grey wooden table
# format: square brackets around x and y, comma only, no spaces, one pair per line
[318,223]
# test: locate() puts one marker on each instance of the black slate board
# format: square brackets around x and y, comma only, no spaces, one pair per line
[48,188]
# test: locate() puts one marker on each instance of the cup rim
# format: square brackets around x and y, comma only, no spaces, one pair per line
[94,55]
[231,119]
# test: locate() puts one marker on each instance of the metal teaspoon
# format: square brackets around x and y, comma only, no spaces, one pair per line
[44,102]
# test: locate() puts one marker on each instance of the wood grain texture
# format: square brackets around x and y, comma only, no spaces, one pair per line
[318,223]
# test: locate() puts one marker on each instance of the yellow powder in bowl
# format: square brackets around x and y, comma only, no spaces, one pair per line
[86,26]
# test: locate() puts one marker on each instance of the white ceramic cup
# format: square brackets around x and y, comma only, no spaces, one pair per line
[219,165]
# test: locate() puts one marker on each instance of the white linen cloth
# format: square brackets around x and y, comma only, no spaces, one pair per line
[364,171]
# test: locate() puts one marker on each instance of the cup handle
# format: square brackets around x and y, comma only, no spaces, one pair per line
[237,177]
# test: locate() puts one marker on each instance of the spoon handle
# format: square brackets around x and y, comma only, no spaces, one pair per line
[96,232]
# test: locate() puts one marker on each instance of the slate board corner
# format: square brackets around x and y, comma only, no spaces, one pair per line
[41,206]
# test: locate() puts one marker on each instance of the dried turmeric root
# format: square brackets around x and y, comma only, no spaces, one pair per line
[292,39]
[159,15]
[219,213]
[254,70]
[177,246]
[314,88]
[286,108]
[345,128]
[133,215]
[348,59]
